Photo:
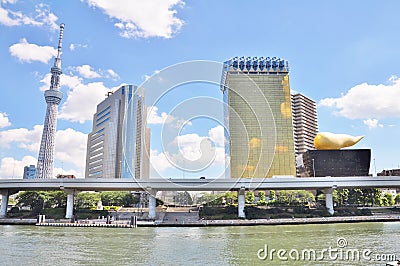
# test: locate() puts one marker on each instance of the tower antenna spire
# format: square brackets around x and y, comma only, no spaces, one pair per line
[57,60]
[53,98]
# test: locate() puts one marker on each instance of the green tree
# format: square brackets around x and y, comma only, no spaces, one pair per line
[356,196]
[210,199]
[57,199]
[86,200]
[261,195]
[231,197]
[389,199]
[272,195]
[32,199]
[113,198]
[377,197]
[249,197]
[397,198]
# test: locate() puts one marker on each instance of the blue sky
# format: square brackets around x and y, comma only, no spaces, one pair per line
[342,54]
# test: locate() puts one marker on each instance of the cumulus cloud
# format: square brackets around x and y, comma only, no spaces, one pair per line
[29,52]
[70,144]
[4,121]
[153,118]
[192,152]
[87,71]
[217,135]
[143,19]
[372,123]
[12,168]
[43,16]
[111,74]
[26,139]
[81,99]
[365,101]
[158,161]
[71,147]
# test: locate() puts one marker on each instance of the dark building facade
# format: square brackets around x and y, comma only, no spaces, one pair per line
[336,163]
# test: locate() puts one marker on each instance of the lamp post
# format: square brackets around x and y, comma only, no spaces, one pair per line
[313,167]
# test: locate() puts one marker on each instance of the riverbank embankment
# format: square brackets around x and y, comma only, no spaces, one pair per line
[199,223]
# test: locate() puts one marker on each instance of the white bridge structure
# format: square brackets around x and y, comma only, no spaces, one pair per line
[73,186]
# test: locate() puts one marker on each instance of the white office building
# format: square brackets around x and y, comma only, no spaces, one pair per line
[116,145]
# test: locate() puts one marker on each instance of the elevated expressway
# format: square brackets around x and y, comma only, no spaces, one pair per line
[73,186]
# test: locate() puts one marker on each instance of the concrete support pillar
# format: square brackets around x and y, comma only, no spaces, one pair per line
[241,203]
[69,213]
[152,204]
[4,203]
[329,200]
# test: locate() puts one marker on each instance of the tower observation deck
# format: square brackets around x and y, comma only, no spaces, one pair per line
[53,98]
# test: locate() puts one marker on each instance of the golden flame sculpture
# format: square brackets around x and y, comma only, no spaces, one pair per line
[331,141]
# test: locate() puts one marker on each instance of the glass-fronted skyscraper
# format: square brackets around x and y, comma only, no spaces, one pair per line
[258,116]
[116,145]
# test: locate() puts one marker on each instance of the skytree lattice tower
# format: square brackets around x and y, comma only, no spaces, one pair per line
[53,98]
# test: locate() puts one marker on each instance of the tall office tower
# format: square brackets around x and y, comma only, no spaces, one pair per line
[53,98]
[305,123]
[258,116]
[115,147]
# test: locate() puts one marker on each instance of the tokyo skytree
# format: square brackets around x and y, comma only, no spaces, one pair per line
[53,98]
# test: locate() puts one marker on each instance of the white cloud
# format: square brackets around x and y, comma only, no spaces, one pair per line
[27,139]
[74,46]
[71,147]
[372,123]
[9,1]
[147,77]
[43,16]
[81,99]
[4,121]
[111,74]
[366,101]
[12,168]
[217,135]
[153,118]
[28,52]
[144,19]
[193,152]
[70,144]
[158,161]
[86,71]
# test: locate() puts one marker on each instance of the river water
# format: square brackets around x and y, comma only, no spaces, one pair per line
[236,245]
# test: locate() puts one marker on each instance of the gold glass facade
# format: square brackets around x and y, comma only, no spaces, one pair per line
[261,140]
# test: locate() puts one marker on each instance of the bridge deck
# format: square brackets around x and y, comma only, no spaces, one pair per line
[201,184]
